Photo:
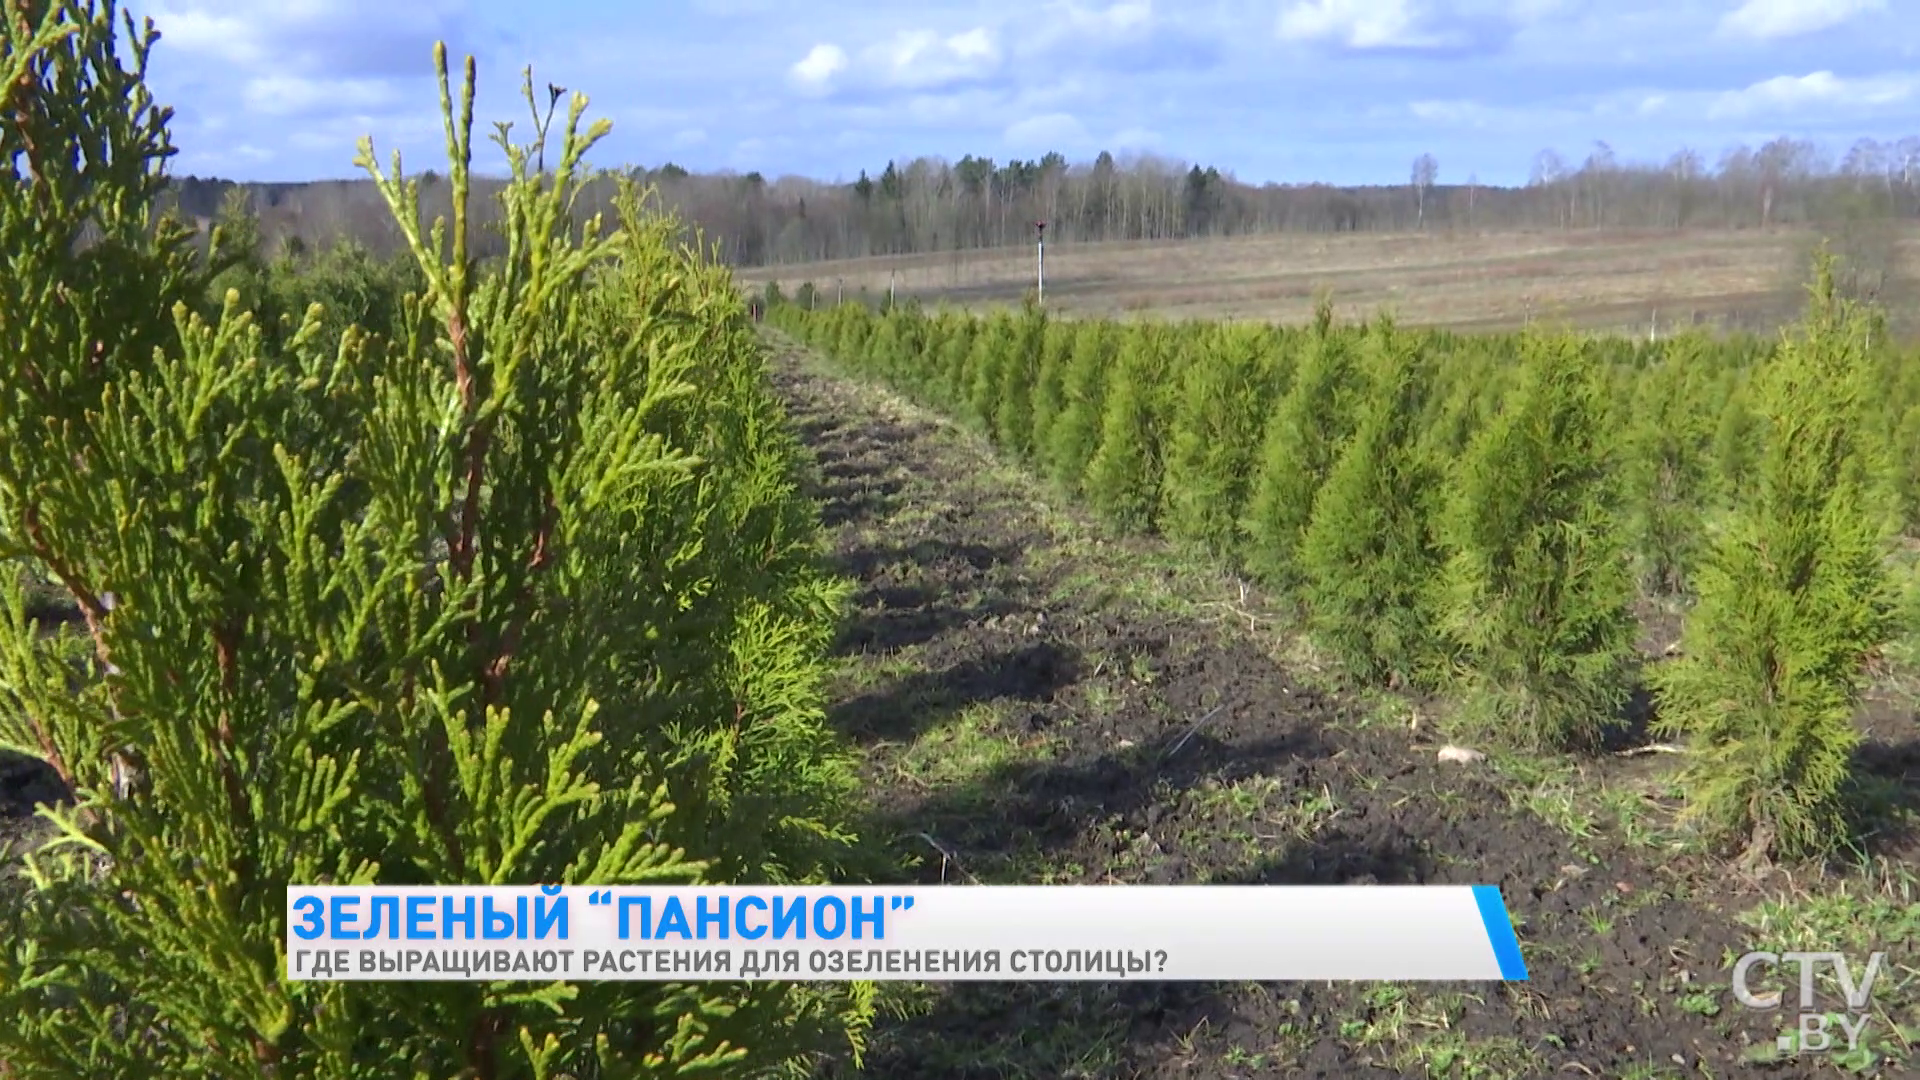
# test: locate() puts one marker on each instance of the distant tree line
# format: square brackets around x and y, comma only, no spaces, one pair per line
[929,205]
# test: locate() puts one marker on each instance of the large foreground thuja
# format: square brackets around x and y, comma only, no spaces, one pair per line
[526,595]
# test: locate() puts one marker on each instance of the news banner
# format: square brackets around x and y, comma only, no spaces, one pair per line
[934,933]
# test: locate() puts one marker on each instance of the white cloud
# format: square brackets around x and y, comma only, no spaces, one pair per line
[1359,24]
[1118,20]
[1768,19]
[1448,112]
[229,38]
[1135,138]
[1785,93]
[910,60]
[820,65]
[920,58]
[289,95]
[1051,131]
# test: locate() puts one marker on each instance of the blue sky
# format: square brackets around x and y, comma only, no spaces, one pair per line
[1347,91]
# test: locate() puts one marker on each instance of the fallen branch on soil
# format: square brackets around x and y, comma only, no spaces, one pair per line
[1253,621]
[947,856]
[1651,748]
[1195,729]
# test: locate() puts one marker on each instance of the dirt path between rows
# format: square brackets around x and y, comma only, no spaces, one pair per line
[1040,705]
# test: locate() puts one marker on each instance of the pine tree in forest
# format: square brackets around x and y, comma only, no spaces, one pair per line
[1794,598]
[1537,586]
[1369,555]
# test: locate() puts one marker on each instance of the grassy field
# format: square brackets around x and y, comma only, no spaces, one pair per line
[1625,281]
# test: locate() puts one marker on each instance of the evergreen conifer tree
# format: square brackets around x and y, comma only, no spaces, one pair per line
[1123,479]
[1049,388]
[1223,400]
[1369,556]
[1537,586]
[1076,435]
[1019,371]
[1301,441]
[1668,464]
[1794,597]
[525,594]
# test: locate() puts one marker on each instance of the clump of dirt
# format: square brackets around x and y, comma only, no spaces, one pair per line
[1038,704]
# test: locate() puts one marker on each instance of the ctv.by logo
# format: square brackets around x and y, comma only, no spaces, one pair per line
[1813,1036]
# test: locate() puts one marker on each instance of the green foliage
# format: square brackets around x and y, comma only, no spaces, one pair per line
[1369,556]
[1123,479]
[1301,442]
[1226,390]
[1019,371]
[1050,387]
[1537,585]
[1075,437]
[984,376]
[1795,595]
[523,594]
[1668,465]
[1736,446]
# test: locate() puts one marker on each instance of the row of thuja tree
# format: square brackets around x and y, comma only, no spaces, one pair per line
[479,573]
[1484,515]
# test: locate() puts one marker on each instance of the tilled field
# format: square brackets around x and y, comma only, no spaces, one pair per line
[1040,705]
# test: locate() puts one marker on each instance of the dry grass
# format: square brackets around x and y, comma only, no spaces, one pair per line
[1624,281]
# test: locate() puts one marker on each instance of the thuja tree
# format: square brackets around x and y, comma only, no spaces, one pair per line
[1225,390]
[1302,439]
[1369,555]
[1075,436]
[1019,370]
[1537,584]
[523,595]
[1794,597]
[1668,467]
[1049,388]
[1123,478]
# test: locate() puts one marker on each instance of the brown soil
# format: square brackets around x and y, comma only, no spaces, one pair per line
[1042,705]
[1631,281]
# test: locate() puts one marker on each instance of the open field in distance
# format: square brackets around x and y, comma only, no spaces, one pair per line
[1626,281]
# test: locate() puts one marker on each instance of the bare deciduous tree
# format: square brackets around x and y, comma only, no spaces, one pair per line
[1425,171]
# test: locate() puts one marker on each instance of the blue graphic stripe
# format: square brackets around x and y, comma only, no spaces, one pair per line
[1506,947]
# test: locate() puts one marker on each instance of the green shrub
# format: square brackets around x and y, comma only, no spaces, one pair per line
[1050,387]
[1301,442]
[1369,556]
[1019,370]
[525,595]
[1668,465]
[985,374]
[1794,596]
[1226,389]
[1736,446]
[1123,479]
[1537,584]
[1076,435]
